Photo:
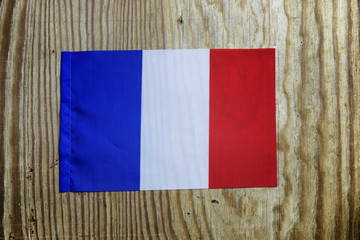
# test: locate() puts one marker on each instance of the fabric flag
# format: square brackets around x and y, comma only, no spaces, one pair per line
[167,119]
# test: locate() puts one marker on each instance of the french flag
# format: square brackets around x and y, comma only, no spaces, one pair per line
[167,119]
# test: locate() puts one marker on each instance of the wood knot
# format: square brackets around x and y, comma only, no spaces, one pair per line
[180,20]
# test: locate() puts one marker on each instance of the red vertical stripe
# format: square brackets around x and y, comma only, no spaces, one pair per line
[242,147]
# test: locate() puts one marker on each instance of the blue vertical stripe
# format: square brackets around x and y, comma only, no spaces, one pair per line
[105,121]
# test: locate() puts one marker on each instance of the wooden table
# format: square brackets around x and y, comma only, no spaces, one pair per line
[318,124]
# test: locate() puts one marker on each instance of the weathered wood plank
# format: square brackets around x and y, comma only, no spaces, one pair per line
[318,121]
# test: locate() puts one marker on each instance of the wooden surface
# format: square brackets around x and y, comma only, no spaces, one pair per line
[318,87]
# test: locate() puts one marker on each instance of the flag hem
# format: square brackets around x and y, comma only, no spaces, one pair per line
[65,123]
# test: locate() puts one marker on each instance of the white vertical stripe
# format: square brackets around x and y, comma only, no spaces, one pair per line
[175,119]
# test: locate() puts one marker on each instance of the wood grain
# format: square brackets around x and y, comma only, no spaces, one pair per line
[318,120]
